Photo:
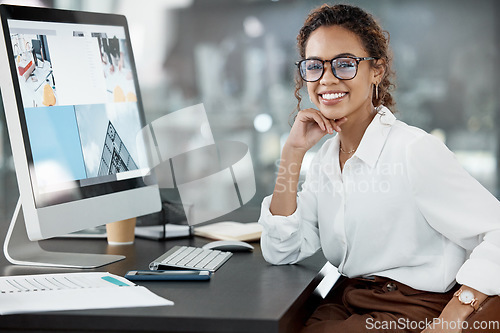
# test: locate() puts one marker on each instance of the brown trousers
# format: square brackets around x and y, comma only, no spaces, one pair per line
[379,305]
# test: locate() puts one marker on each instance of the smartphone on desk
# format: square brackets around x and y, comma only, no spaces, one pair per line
[168,275]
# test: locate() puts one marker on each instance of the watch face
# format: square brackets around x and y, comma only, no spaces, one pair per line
[466,297]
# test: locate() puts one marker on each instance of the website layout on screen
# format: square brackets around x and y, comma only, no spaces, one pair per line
[80,103]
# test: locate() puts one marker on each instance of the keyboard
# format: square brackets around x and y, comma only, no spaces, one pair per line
[189,257]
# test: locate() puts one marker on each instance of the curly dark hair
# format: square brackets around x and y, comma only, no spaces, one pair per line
[374,39]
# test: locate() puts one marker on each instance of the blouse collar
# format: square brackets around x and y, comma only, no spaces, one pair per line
[374,138]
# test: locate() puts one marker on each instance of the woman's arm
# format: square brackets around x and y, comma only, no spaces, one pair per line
[455,313]
[463,211]
[289,218]
[309,127]
[284,201]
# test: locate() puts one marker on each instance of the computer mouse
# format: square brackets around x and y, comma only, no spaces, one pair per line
[229,245]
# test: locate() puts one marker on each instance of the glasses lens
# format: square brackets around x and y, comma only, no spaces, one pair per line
[311,69]
[345,68]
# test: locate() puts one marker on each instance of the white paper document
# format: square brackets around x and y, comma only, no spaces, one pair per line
[72,291]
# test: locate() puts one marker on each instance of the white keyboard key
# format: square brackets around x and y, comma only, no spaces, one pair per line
[217,260]
[207,259]
[190,256]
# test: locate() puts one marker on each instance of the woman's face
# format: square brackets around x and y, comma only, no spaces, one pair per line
[337,98]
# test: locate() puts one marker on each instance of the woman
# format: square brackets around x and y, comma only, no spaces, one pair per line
[386,202]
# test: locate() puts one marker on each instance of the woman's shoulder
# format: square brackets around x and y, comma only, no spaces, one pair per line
[408,136]
[403,133]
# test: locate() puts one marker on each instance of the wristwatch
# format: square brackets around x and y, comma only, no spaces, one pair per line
[467,297]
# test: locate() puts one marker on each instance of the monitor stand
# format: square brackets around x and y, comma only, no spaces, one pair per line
[20,250]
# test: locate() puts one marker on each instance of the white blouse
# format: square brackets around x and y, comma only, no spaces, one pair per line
[402,208]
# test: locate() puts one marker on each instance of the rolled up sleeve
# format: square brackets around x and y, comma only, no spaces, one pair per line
[482,270]
[287,239]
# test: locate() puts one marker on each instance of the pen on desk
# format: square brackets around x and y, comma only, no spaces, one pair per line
[164,273]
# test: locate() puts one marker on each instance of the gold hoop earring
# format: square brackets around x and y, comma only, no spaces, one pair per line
[376,91]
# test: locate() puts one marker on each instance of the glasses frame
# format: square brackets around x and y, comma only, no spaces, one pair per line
[357,59]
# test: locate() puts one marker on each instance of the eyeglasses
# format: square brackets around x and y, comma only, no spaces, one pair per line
[344,68]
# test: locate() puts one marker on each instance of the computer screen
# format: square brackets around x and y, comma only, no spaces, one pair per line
[74,115]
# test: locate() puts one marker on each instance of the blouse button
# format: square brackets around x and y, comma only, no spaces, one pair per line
[391,286]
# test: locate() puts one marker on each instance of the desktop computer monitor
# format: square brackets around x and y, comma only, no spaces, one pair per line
[74,122]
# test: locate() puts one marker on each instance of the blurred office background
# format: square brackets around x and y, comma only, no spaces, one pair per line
[237,58]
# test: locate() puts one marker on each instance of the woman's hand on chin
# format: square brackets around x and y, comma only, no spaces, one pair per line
[309,127]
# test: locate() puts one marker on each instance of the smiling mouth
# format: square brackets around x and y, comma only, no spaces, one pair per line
[332,96]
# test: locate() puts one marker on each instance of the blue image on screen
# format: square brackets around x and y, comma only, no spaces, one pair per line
[55,144]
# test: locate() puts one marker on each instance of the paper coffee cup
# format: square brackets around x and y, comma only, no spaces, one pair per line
[121,232]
